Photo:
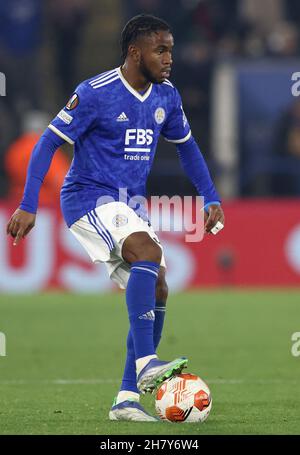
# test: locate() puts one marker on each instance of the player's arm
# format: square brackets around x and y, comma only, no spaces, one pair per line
[23,219]
[196,169]
[69,124]
[177,130]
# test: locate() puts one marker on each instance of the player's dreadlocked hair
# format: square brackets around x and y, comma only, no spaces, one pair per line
[143,24]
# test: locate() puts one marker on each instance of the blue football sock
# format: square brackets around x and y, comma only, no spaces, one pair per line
[160,312]
[140,299]
[129,376]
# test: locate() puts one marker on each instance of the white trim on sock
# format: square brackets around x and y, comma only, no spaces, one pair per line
[142,362]
[124,395]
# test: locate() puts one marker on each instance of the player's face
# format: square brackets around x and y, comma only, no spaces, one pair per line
[156,56]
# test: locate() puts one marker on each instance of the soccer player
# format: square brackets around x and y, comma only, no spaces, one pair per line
[114,121]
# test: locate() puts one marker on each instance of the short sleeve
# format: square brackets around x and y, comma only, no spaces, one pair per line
[77,116]
[177,128]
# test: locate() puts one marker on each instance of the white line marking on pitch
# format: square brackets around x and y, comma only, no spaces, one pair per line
[58,381]
[114,381]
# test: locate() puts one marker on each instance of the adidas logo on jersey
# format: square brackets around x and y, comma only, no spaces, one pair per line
[150,316]
[122,118]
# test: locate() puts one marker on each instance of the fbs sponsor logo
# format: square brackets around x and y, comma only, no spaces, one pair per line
[139,136]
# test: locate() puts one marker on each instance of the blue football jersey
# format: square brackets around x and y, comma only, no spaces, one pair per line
[115,131]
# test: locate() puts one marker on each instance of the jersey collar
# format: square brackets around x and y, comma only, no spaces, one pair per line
[134,92]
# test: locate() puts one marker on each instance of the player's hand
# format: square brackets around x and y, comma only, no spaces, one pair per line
[20,224]
[215,214]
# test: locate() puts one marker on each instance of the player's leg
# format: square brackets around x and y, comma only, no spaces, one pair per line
[161,296]
[128,389]
[144,255]
[94,240]
[126,405]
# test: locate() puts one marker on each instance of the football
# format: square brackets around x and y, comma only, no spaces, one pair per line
[183,398]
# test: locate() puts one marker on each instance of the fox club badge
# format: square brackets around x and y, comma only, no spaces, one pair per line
[159,115]
[120,220]
[73,102]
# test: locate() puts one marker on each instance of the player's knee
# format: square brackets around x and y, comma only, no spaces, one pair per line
[162,291]
[149,252]
[140,247]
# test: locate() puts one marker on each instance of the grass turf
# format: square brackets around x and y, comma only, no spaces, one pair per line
[65,355]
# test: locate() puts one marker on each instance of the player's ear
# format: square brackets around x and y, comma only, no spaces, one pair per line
[135,53]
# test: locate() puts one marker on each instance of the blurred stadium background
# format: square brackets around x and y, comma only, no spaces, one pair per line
[235,64]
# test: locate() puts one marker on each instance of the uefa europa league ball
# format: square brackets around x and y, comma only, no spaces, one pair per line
[183,398]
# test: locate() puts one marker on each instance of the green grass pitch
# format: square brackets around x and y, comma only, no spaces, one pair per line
[65,356]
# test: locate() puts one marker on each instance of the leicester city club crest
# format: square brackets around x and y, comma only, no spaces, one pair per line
[120,220]
[159,115]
